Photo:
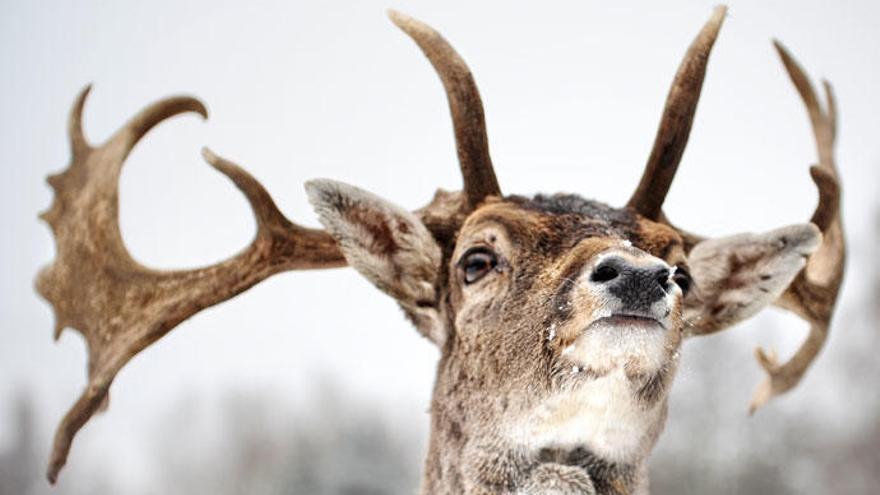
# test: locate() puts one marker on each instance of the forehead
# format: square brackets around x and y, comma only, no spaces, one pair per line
[556,223]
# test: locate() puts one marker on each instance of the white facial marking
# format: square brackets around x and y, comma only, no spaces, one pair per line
[605,345]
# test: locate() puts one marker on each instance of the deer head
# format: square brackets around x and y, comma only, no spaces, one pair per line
[558,319]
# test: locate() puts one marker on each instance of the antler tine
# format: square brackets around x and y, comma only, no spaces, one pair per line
[675,124]
[121,307]
[128,136]
[813,293]
[78,142]
[103,164]
[464,104]
[292,247]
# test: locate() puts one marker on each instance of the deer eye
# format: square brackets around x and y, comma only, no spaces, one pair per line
[476,263]
[683,279]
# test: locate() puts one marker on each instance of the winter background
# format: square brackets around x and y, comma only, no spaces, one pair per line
[313,382]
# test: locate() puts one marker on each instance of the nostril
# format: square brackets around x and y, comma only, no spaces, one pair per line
[663,280]
[662,277]
[604,273]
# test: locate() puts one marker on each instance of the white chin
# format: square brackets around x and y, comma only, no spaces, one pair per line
[610,344]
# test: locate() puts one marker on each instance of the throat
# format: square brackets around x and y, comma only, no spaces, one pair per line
[605,416]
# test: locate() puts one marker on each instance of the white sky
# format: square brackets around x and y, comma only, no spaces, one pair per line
[330,89]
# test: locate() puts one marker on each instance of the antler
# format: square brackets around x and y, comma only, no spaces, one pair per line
[675,124]
[464,104]
[119,306]
[813,294]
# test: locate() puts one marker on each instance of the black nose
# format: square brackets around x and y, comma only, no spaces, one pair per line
[638,287]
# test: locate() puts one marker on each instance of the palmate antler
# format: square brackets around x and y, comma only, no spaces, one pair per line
[813,294]
[121,307]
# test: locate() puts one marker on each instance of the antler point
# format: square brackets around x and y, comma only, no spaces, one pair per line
[400,19]
[46,216]
[209,155]
[200,108]
[763,393]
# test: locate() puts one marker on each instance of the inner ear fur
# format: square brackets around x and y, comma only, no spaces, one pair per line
[387,244]
[737,276]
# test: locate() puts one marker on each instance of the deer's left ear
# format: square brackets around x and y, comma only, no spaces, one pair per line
[737,276]
[388,245]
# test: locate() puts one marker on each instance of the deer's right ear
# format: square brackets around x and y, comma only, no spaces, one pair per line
[388,245]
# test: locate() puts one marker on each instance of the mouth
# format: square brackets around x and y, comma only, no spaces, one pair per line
[631,320]
[621,340]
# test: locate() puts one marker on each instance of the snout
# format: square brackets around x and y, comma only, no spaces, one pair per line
[626,303]
[636,287]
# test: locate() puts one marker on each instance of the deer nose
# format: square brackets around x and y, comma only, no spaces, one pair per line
[637,286]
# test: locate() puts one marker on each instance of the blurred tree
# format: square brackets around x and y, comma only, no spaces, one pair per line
[333,446]
[19,459]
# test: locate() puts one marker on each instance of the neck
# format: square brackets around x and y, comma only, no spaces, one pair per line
[458,463]
[472,448]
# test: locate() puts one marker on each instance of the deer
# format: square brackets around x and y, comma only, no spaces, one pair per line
[559,320]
